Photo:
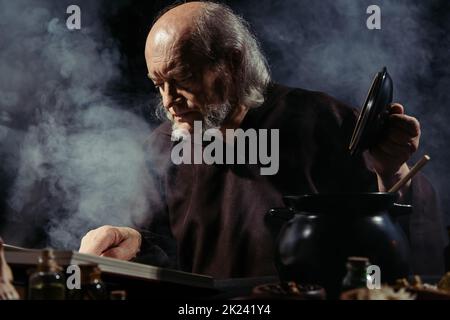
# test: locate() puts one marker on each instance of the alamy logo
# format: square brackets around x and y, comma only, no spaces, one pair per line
[374,20]
[373,277]
[73,281]
[73,22]
[239,146]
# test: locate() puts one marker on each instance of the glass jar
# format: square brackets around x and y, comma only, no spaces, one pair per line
[47,282]
[356,276]
[92,286]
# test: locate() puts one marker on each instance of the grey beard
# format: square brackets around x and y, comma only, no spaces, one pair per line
[214,117]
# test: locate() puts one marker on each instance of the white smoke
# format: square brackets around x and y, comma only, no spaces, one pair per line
[81,156]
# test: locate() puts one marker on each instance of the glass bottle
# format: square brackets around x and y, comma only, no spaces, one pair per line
[92,286]
[356,276]
[96,288]
[47,282]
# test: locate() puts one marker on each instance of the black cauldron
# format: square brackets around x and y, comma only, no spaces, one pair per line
[315,234]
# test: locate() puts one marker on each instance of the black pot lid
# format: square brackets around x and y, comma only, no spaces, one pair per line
[369,127]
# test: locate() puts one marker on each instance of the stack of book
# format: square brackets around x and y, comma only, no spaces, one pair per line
[146,279]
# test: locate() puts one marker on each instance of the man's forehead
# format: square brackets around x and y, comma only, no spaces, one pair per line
[170,69]
[160,67]
[165,42]
[164,57]
[167,53]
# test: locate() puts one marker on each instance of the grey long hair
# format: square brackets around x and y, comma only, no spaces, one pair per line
[220,33]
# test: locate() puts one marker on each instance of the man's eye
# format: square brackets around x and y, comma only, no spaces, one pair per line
[185,83]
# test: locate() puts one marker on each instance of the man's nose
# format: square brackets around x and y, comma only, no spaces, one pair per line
[170,95]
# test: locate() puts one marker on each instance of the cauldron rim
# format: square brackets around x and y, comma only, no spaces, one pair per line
[328,203]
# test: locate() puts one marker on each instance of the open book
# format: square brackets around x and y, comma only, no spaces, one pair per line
[21,256]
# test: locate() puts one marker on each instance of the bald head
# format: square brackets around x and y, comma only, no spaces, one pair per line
[173,28]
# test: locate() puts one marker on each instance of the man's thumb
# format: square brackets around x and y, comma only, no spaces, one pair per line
[396,108]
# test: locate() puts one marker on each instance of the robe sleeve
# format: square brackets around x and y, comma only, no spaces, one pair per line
[424,228]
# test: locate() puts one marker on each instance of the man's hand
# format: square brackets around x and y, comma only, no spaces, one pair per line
[115,242]
[389,156]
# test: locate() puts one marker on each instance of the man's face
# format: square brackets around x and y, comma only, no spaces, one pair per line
[191,89]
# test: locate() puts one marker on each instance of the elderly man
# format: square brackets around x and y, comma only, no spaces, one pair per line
[209,218]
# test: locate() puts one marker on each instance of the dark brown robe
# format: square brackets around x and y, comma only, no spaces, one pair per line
[209,219]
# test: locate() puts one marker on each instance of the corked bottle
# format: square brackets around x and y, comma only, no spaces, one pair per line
[47,283]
